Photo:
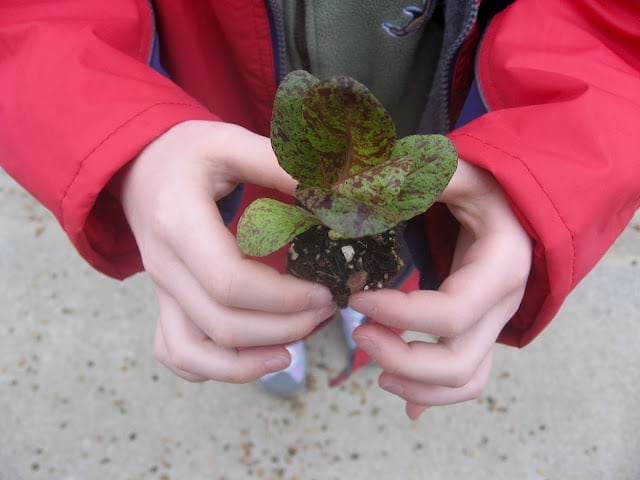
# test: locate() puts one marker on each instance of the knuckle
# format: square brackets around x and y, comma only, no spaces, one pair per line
[457,323]
[476,390]
[522,274]
[174,359]
[160,354]
[221,335]
[159,346]
[178,361]
[391,367]
[153,267]
[517,280]
[220,288]
[520,269]
[162,221]
[460,375]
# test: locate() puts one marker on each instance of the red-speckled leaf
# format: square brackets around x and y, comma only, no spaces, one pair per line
[346,216]
[266,225]
[434,162]
[289,139]
[348,126]
[378,185]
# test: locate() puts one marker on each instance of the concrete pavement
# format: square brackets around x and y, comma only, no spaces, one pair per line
[81,396]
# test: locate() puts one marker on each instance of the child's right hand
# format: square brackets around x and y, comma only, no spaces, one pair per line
[213,300]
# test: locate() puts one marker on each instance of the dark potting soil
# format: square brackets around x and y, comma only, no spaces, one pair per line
[345,265]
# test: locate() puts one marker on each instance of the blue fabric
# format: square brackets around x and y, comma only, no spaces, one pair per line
[421,254]
[414,233]
[473,106]
[154,61]
[500,5]
[230,204]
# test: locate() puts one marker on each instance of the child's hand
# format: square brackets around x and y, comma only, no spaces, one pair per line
[484,289]
[213,300]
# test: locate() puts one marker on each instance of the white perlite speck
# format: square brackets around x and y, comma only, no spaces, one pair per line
[348,252]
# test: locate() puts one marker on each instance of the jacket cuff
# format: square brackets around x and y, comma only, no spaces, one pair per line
[550,281]
[90,214]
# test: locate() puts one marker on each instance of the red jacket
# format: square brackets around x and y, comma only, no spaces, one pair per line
[561,81]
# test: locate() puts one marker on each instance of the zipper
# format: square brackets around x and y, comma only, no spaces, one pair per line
[278,39]
[445,82]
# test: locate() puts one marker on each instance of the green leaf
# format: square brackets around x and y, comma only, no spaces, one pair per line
[289,139]
[434,162]
[348,126]
[267,224]
[346,216]
[378,185]
[338,141]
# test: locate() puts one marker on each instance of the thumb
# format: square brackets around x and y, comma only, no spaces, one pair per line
[248,157]
[414,410]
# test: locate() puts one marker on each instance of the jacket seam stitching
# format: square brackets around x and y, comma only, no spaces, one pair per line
[541,187]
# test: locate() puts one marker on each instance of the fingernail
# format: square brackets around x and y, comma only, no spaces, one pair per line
[362,306]
[276,364]
[319,296]
[393,388]
[326,312]
[365,344]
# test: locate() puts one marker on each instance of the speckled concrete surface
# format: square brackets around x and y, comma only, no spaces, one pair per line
[81,396]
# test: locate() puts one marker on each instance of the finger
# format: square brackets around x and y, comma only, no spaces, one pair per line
[162,354]
[208,250]
[414,411]
[475,198]
[420,395]
[450,362]
[189,350]
[230,154]
[467,181]
[234,327]
[485,277]
[249,158]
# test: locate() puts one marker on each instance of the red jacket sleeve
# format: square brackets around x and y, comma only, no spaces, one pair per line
[562,84]
[78,102]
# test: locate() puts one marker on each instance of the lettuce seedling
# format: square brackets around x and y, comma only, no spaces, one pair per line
[357,184]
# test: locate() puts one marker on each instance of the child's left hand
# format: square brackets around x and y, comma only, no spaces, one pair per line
[488,277]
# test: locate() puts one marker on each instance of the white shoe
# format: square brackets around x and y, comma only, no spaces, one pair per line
[288,382]
[350,320]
